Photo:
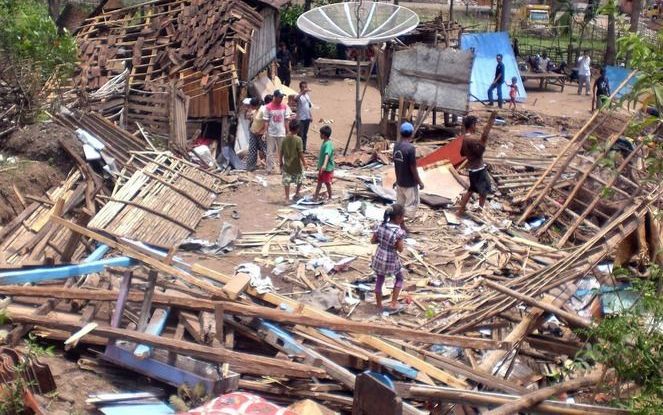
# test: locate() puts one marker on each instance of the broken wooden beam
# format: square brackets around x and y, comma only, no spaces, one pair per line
[241,362]
[565,315]
[487,399]
[256,311]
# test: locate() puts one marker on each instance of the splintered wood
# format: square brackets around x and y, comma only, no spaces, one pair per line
[30,239]
[198,40]
[597,175]
[160,204]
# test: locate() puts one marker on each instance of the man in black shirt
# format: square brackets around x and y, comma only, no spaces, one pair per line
[283,59]
[497,82]
[408,182]
[601,91]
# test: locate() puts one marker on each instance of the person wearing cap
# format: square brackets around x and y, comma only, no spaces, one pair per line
[408,183]
[276,115]
[256,132]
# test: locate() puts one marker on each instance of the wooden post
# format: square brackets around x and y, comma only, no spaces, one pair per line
[358,104]
[121,299]
[147,301]
[218,321]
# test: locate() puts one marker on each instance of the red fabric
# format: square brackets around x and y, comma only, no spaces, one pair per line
[449,151]
[202,141]
[326,177]
[239,403]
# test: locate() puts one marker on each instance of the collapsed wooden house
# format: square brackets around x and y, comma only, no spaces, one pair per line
[165,61]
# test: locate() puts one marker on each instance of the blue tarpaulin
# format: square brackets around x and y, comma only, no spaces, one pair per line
[616,75]
[486,46]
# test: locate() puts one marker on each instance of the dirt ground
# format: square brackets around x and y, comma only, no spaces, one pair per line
[333,104]
[33,161]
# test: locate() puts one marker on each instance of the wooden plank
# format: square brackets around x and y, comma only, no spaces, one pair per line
[297,316]
[565,315]
[242,362]
[416,363]
[134,253]
[236,285]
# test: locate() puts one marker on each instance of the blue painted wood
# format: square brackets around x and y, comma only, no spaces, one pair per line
[290,344]
[151,408]
[155,327]
[97,254]
[62,272]
[159,370]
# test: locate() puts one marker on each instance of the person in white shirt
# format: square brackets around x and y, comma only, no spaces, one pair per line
[304,116]
[276,114]
[584,72]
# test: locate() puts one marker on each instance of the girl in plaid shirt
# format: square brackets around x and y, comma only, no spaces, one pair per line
[389,237]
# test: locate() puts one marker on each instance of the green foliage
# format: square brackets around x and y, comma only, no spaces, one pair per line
[632,343]
[290,14]
[647,57]
[28,34]
[188,398]
[12,394]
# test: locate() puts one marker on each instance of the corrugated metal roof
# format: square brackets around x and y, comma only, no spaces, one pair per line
[433,76]
[486,46]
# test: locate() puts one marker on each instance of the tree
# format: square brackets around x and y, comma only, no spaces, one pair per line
[611,9]
[635,15]
[505,17]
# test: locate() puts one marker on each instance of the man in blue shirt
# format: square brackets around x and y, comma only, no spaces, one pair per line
[497,82]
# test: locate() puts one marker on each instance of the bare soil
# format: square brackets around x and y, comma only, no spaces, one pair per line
[41,163]
[40,142]
[31,178]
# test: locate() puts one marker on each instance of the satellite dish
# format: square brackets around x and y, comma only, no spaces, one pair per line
[358,23]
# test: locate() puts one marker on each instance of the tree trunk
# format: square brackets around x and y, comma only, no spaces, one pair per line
[635,15]
[611,48]
[307,5]
[451,10]
[505,18]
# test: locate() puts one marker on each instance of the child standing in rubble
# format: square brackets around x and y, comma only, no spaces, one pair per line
[513,94]
[389,236]
[325,163]
[291,160]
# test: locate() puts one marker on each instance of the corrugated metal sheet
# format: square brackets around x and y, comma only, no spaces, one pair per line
[486,46]
[263,43]
[432,76]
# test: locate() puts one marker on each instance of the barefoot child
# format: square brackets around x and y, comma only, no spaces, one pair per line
[513,93]
[389,237]
[325,162]
[292,160]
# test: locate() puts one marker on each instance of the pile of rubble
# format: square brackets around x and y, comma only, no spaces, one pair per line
[488,305]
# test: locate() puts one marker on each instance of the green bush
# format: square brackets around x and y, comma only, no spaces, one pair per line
[28,36]
[631,342]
